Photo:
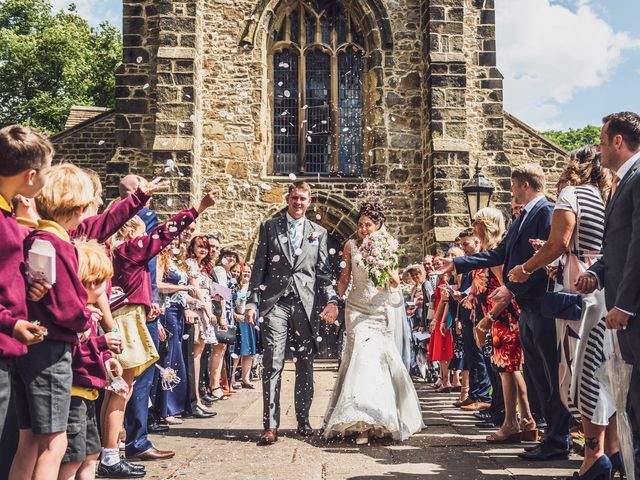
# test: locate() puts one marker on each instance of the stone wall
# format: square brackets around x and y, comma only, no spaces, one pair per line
[524,145]
[90,144]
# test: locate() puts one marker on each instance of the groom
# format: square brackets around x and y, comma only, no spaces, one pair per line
[290,266]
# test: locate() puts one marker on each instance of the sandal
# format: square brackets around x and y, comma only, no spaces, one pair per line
[219,397]
[248,385]
[529,430]
[502,436]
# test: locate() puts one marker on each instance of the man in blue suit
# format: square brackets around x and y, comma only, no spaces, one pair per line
[537,333]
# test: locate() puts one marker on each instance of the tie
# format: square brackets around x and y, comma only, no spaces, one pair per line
[614,185]
[293,234]
[523,213]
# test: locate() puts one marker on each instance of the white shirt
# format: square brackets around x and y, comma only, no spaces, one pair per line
[528,207]
[626,166]
[299,228]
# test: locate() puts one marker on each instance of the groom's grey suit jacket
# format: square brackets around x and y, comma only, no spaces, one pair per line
[277,268]
[618,270]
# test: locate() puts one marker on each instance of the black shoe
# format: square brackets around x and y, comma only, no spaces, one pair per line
[156,427]
[546,452]
[135,466]
[601,469]
[200,413]
[122,469]
[617,465]
[208,399]
[531,448]
[496,420]
[304,429]
[483,415]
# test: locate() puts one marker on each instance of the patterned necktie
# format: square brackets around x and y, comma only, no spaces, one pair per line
[293,234]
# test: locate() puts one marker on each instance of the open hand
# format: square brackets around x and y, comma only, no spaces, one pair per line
[155,185]
[209,200]
[190,317]
[443,265]
[37,290]
[27,333]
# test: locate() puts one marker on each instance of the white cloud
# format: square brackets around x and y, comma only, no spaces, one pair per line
[94,11]
[548,52]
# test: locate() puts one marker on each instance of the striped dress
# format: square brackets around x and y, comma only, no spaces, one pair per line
[586,343]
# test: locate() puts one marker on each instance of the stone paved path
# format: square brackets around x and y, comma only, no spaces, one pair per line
[451,447]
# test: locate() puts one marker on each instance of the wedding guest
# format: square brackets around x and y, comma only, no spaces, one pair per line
[132,250]
[479,384]
[25,155]
[576,237]
[222,275]
[617,269]
[198,268]
[537,333]
[456,364]
[441,341]
[175,295]
[247,334]
[43,380]
[501,320]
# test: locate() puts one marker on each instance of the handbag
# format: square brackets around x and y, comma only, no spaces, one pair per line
[227,336]
[163,346]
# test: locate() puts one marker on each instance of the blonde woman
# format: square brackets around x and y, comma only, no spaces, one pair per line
[501,320]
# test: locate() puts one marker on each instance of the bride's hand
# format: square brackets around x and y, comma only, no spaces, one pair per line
[330,313]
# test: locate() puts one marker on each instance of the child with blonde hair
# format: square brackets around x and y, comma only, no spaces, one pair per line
[91,360]
[43,380]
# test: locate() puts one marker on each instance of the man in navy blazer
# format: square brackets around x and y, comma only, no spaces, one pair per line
[537,333]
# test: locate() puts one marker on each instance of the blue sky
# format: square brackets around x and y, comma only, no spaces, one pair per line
[566,63]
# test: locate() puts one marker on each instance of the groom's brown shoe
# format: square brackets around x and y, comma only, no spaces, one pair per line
[305,430]
[268,437]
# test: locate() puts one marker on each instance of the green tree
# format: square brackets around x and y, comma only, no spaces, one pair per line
[574,138]
[52,61]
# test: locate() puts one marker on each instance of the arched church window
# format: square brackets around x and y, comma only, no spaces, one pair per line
[317,60]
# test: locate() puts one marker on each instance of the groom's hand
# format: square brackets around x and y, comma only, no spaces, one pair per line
[330,313]
[250,316]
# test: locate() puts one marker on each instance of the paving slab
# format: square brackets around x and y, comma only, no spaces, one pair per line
[450,447]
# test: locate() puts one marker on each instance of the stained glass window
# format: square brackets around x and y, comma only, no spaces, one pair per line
[318,68]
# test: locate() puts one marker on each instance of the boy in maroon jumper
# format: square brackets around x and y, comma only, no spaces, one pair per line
[130,260]
[24,153]
[91,361]
[42,383]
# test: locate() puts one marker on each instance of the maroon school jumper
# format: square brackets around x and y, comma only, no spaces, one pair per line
[88,361]
[13,288]
[63,309]
[130,259]
[101,227]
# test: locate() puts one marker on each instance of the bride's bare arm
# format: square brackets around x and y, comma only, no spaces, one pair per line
[394,279]
[345,274]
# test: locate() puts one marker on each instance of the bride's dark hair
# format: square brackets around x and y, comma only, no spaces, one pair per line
[374,211]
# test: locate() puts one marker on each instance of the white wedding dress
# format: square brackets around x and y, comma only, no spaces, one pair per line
[373,390]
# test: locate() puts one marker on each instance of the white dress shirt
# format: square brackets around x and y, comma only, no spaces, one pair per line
[528,207]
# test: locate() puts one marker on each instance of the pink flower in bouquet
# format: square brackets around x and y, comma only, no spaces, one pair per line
[370,260]
[376,253]
[381,264]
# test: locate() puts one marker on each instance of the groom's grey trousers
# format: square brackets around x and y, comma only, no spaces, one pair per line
[287,319]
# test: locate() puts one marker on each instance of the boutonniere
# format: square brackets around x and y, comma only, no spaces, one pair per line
[313,236]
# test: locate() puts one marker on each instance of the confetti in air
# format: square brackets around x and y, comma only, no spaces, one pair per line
[139,59]
[287,93]
[276,258]
[140,243]
[262,287]
[261,319]
[298,251]
[283,65]
[155,236]
[343,264]
[265,186]
[145,86]
[176,251]
[319,339]
[101,142]
[292,177]
[231,188]
[304,107]
[318,217]
[332,251]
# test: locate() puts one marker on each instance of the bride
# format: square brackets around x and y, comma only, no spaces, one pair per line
[373,395]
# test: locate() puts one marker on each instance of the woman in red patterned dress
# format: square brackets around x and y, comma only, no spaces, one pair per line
[501,320]
[440,347]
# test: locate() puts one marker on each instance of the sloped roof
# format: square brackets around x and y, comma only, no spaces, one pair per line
[535,133]
[82,113]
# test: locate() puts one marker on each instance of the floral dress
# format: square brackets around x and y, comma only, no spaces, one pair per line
[506,352]
[203,282]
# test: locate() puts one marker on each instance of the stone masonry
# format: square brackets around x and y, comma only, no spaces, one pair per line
[194,102]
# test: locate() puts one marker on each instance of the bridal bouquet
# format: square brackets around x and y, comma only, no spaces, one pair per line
[380,252]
